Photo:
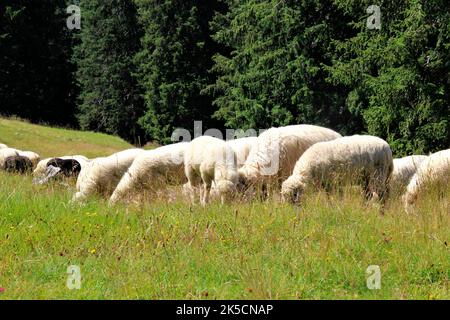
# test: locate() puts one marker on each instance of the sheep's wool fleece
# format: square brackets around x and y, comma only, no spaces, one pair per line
[355,152]
[278,149]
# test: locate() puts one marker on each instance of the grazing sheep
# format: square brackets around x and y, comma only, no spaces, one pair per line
[33,156]
[152,170]
[365,160]
[41,167]
[209,160]
[68,167]
[18,164]
[101,175]
[3,146]
[242,148]
[435,170]
[57,167]
[6,153]
[404,170]
[277,150]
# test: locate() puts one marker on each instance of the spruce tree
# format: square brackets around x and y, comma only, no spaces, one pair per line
[274,75]
[36,75]
[397,76]
[109,39]
[174,62]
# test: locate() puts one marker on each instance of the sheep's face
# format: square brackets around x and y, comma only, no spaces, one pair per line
[243,182]
[248,176]
[291,194]
[226,190]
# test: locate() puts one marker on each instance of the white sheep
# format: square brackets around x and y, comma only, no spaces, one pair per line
[151,170]
[33,156]
[3,146]
[209,160]
[365,160]
[242,148]
[435,170]
[404,170]
[277,150]
[41,167]
[6,153]
[101,175]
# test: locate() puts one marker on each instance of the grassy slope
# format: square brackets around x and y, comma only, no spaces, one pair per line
[50,142]
[255,250]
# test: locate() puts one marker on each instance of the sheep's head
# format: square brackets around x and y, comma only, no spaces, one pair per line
[226,189]
[247,176]
[291,192]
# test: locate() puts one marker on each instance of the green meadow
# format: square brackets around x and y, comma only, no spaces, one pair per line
[168,249]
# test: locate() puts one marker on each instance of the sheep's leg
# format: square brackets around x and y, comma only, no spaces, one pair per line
[85,190]
[78,197]
[263,191]
[193,182]
[206,190]
[367,188]
[202,195]
[379,190]
[189,191]
[125,186]
[383,191]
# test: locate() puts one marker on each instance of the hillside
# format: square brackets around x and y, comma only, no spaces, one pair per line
[50,142]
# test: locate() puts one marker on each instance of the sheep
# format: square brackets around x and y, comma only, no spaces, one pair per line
[5,153]
[41,167]
[277,150]
[360,159]
[18,164]
[3,146]
[101,175]
[68,167]
[435,170]
[151,170]
[33,156]
[404,170]
[57,167]
[207,160]
[242,148]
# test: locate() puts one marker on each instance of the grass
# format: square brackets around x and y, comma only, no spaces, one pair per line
[257,250]
[50,142]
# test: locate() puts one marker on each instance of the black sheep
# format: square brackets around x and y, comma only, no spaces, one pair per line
[69,167]
[18,164]
[59,167]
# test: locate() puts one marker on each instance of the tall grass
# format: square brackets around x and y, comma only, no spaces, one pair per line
[255,250]
[168,249]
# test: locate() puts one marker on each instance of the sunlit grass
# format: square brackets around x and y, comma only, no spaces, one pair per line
[246,251]
[167,249]
[49,142]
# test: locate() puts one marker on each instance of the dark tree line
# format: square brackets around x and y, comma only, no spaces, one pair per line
[36,75]
[142,68]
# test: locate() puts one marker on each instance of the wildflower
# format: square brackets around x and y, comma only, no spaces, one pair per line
[92,251]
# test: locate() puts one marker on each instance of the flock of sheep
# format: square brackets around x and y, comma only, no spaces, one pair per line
[285,160]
